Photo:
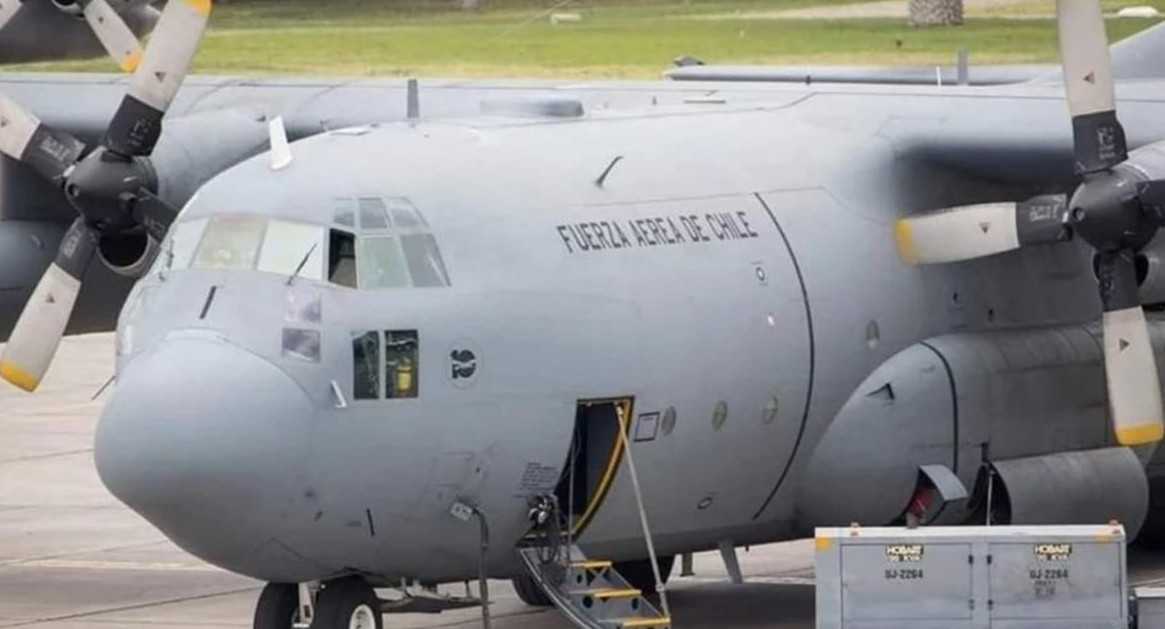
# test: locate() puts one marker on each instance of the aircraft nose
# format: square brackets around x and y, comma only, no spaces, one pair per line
[207,441]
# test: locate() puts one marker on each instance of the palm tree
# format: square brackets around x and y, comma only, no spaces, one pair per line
[936,12]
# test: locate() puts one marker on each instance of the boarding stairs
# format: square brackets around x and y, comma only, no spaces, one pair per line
[590,592]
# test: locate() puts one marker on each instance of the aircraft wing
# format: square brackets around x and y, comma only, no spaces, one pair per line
[875,75]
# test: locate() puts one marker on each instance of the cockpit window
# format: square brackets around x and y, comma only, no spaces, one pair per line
[373,214]
[366,365]
[230,242]
[293,249]
[179,247]
[381,264]
[345,213]
[404,214]
[424,260]
[342,258]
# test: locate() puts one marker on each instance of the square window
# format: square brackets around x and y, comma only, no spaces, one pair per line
[400,363]
[647,427]
[302,305]
[302,344]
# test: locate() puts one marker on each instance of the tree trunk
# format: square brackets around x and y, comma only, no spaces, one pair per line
[936,12]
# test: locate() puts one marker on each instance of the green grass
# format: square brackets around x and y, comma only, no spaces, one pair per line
[634,38]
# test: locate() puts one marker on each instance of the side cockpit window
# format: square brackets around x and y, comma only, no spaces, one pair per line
[342,258]
[366,366]
[401,368]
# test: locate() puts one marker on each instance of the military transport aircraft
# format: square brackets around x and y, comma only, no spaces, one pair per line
[735,315]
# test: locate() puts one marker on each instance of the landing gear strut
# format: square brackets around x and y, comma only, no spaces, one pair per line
[348,603]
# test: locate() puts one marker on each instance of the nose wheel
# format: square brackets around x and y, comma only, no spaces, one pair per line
[348,603]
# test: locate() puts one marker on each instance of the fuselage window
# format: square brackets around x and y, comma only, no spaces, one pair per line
[342,258]
[424,260]
[381,263]
[293,249]
[400,363]
[230,242]
[366,366]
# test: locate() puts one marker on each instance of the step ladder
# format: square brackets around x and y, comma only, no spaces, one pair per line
[590,592]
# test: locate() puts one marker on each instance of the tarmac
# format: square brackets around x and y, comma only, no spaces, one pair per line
[71,556]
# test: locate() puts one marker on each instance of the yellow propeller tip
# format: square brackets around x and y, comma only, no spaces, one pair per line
[906,249]
[19,377]
[131,61]
[202,6]
[1140,434]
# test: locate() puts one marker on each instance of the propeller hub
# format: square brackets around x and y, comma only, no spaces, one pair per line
[99,184]
[1105,211]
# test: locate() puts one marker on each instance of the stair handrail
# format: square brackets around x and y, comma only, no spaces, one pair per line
[621,413]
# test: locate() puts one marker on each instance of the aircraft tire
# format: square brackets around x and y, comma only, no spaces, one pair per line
[639,575]
[529,592]
[348,603]
[277,606]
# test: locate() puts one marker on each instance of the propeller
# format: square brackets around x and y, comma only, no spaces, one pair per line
[1116,209]
[112,186]
[112,31]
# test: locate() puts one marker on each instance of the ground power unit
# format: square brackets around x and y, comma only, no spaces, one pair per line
[999,577]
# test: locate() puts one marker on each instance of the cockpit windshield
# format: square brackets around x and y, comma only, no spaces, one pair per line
[374,243]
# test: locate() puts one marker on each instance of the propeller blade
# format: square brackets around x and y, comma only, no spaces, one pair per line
[1134,393]
[8,9]
[136,126]
[976,231]
[151,212]
[114,34]
[24,138]
[1099,139]
[41,325]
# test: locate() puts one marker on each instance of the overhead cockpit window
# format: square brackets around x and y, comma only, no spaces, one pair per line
[345,213]
[366,366]
[381,264]
[230,242]
[293,249]
[373,214]
[342,258]
[404,214]
[424,259]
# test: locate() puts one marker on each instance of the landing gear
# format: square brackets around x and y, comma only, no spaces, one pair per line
[530,592]
[276,607]
[348,603]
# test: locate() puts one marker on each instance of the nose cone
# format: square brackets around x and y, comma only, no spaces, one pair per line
[209,443]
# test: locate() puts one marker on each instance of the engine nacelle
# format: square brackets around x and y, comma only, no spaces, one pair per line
[129,254]
[1014,400]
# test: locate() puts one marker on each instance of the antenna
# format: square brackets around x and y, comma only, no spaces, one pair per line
[414,100]
[280,148]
